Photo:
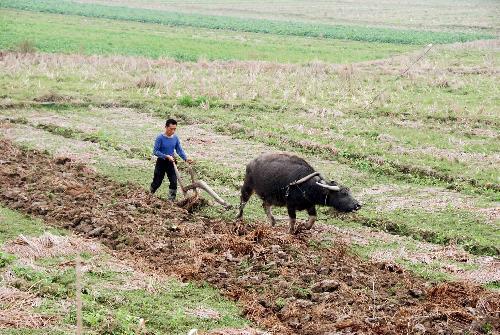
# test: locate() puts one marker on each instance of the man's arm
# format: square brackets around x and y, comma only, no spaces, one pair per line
[156,149]
[180,151]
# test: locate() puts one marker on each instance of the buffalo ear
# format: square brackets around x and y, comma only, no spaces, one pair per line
[334,183]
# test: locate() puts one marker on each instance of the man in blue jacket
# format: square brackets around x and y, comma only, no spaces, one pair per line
[165,145]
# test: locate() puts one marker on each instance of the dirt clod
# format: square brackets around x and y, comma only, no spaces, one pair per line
[326,286]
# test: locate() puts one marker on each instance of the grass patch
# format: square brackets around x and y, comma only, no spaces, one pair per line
[493,286]
[117,310]
[12,224]
[356,33]
[94,36]
[430,272]
[25,46]
[449,226]
[189,101]
[6,259]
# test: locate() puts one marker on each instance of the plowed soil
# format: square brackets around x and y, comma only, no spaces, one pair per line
[287,284]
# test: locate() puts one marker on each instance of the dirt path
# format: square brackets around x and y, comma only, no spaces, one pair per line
[288,284]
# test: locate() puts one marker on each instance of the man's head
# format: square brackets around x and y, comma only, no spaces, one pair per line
[170,127]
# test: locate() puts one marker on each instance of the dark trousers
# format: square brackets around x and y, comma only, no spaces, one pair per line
[164,166]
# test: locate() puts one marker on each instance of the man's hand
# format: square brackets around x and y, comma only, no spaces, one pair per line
[170,158]
[189,161]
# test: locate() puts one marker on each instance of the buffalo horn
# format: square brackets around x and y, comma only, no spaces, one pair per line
[309,176]
[331,188]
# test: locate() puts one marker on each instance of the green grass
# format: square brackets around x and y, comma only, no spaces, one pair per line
[476,15]
[12,224]
[493,286]
[116,310]
[74,34]
[356,33]
[428,271]
[6,259]
[448,226]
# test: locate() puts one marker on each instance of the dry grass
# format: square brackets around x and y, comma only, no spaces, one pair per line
[25,46]
[21,318]
[228,81]
[12,298]
[455,155]
[17,310]
[314,85]
[204,313]
[232,331]
[48,245]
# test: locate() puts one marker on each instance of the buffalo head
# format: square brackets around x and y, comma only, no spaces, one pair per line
[338,197]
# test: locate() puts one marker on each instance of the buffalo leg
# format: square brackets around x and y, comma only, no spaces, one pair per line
[312,217]
[270,216]
[293,218]
[246,193]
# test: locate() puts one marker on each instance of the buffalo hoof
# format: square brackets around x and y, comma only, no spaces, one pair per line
[297,229]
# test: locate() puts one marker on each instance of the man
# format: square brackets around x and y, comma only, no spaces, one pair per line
[165,145]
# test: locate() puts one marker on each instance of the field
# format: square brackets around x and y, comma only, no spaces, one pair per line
[412,128]
[428,15]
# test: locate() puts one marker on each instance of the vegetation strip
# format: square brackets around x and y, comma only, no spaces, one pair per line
[25,31]
[285,283]
[356,33]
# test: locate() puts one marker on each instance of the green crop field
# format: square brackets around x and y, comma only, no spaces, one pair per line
[397,100]
[73,34]
[356,33]
[441,15]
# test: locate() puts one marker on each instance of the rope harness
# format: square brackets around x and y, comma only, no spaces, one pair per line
[300,181]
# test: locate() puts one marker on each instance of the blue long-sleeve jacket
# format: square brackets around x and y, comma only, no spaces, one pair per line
[166,145]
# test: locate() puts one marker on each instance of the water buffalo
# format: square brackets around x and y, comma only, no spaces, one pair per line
[281,179]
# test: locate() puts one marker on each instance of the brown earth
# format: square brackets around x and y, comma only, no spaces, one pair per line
[288,284]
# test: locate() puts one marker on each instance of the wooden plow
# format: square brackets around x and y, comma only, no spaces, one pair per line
[190,202]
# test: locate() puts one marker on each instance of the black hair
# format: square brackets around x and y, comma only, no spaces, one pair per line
[169,122]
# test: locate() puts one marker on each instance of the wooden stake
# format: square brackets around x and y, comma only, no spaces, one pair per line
[78,283]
